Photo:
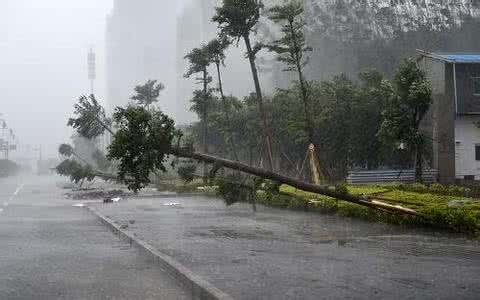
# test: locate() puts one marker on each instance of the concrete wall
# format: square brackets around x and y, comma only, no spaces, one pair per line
[467,101]
[441,117]
[467,135]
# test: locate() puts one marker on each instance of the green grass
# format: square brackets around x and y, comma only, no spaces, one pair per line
[434,208]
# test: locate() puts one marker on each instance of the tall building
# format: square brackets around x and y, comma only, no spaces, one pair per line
[194,28]
[141,45]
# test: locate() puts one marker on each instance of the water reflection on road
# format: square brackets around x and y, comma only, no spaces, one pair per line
[280,254]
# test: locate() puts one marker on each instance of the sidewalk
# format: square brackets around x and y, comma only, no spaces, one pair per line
[279,254]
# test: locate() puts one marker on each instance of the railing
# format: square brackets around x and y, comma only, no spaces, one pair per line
[385,176]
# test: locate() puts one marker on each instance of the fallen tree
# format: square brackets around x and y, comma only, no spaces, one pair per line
[301,185]
[144,139]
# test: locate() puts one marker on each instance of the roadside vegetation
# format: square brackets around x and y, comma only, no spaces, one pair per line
[8,168]
[443,210]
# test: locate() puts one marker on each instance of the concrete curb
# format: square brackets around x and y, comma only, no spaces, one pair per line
[199,288]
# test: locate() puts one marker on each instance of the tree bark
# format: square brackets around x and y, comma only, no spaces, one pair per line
[205,125]
[258,91]
[303,85]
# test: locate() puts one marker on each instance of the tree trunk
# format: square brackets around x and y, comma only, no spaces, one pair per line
[303,85]
[309,128]
[205,125]
[253,195]
[304,186]
[227,113]
[418,163]
[258,91]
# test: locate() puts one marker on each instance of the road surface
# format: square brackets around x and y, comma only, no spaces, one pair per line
[282,254]
[51,250]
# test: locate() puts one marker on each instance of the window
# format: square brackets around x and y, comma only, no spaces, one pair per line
[477,152]
[476,86]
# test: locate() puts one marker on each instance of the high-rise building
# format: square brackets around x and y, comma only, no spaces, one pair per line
[194,27]
[141,45]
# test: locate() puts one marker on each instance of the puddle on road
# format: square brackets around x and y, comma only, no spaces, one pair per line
[85,203]
[232,234]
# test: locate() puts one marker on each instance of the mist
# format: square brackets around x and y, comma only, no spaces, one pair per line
[239,149]
[43,59]
[43,49]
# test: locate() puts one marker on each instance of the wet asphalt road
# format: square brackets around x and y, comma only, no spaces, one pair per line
[51,250]
[280,254]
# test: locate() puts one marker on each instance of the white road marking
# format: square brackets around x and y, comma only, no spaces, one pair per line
[6,204]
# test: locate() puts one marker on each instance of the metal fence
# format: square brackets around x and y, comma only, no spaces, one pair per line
[383,176]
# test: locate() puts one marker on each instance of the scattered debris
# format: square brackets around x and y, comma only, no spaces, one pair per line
[95,194]
[112,200]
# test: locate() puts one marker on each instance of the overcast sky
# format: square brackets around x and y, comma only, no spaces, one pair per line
[43,48]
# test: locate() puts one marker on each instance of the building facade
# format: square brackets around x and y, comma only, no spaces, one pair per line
[454,118]
[141,45]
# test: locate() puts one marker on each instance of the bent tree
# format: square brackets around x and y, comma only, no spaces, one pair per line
[216,52]
[237,19]
[199,61]
[291,49]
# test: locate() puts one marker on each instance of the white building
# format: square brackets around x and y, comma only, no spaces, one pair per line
[455,114]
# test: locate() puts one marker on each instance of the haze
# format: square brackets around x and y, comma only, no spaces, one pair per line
[43,49]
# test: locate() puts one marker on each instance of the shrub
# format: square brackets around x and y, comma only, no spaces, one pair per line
[8,168]
[437,188]
[419,188]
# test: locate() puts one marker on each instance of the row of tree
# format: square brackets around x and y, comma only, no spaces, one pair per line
[359,123]
[351,123]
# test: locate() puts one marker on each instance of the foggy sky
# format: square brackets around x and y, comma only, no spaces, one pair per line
[43,48]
